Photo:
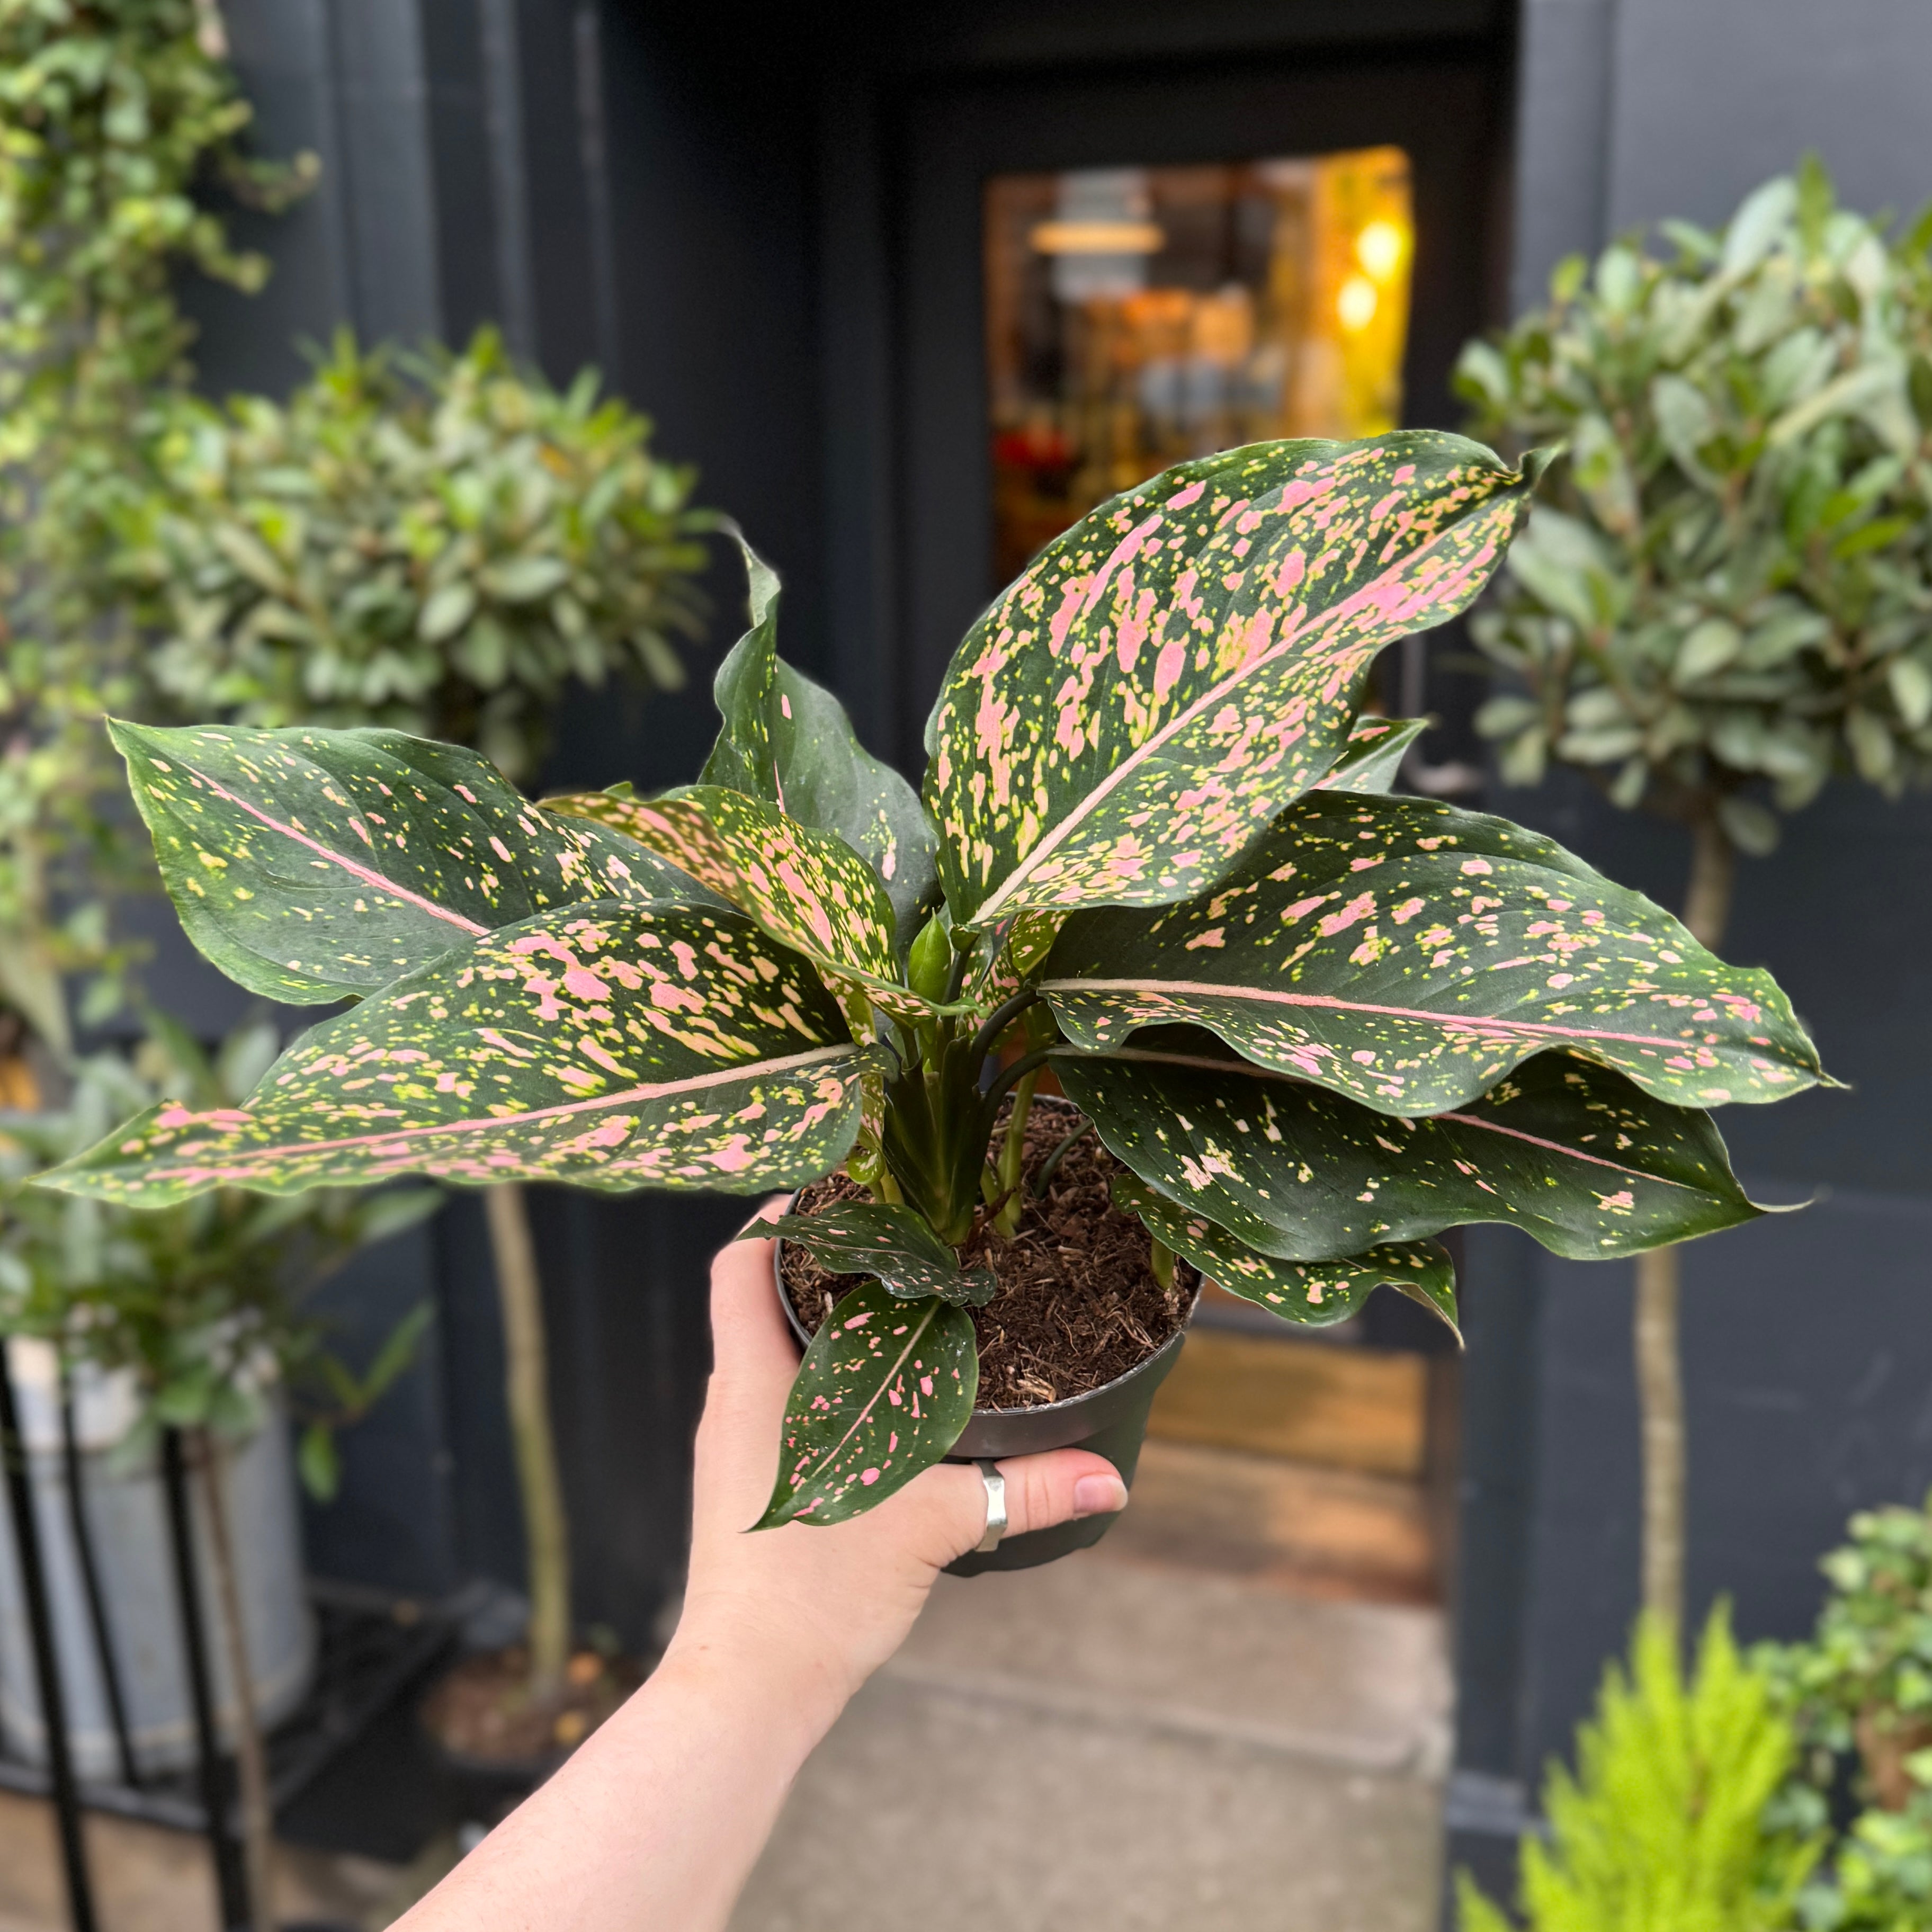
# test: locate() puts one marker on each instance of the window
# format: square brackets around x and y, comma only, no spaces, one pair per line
[1137,316]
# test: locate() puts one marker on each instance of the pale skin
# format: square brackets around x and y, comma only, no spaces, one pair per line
[656,1821]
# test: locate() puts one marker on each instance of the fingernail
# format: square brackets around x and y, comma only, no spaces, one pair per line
[1099,1496]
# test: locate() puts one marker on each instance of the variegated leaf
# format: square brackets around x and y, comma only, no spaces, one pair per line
[885,1239]
[615,1047]
[1188,659]
[313,865]
[788,741]
[1408,954]
[1372,759]
[1573,1153]
[884,1391]
[806,887]
[1314,1294]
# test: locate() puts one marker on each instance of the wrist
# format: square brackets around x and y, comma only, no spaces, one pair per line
[769,1664]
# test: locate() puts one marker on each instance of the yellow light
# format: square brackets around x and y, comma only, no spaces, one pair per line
[1380,248]
[1355,303]
[1097,237]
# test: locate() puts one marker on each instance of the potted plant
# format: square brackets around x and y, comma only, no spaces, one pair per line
[1311,1024]
[126,1326]
[1723,598]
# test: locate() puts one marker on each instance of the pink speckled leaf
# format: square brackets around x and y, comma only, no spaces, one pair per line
[788,741]
[614,1047]
[884,1390]
[1313,1294]
[1408,954]
[806,887]
[1573,1153]
[1372,759]
[311,865]
[885,1239]
[1188,658]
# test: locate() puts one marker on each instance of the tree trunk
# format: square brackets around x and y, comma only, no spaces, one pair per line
[251,1762]
[1660,1366]
[526,1383]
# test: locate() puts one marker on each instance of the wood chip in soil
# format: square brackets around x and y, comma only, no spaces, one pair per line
[1078,1304]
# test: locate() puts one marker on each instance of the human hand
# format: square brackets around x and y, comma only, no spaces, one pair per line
[828,1606]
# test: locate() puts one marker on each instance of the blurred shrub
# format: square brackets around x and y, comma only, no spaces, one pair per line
[1860,1694]
[1727,593]
[437,543]
[1662,1829]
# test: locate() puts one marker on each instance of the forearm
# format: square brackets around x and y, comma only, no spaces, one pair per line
[656,1822]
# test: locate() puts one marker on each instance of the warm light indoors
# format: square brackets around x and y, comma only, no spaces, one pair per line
[1136,316]
[1097,237]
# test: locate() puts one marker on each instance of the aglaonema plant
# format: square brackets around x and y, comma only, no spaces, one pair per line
[1314,1024]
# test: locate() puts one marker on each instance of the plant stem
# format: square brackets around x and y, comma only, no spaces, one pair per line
[1658,1347]
[1659,1380]
[526,1387]
[251,1763]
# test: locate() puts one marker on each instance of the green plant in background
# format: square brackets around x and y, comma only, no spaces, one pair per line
[1859,1692]
[438,543]
[1662,1827]
[202,1303]
[1315,1024]
[112,113]
[1726,595]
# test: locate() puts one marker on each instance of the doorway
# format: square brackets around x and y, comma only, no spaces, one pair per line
[1099,277]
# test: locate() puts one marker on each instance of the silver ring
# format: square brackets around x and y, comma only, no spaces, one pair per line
[996,1507]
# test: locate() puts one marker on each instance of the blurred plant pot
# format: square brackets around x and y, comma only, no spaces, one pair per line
[495,1746]
[125,1510]
[1111,1421]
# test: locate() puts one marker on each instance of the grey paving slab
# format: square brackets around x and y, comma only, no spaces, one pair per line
[935,1808]
[1100,1744]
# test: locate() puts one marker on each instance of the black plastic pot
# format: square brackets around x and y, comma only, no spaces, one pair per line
[1112,1421]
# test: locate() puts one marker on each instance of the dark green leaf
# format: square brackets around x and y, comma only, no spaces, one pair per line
[1409,953]
[1372,757]
[1188,658]
[310,866]
[616,1047]
[884,1390]
[1573,1153]
[884,1239]
[787,741]
[1313,1294]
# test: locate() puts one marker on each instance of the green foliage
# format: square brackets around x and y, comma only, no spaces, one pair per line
[1727,593]
[1662,1829]
[112,115]
[436,543]
[1859,1691]
[713,989]
[194,1298]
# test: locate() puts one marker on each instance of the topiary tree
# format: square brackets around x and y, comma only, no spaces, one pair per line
[1725,595]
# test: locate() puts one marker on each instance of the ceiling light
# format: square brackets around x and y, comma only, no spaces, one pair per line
[1380,248]
[1098,237]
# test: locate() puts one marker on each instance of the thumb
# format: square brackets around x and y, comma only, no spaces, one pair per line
[1042,1491]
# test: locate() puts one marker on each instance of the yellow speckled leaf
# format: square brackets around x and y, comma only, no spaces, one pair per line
[806,887]
[1188,658]
[1408,954]
[1312,1295]
[614,1047]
